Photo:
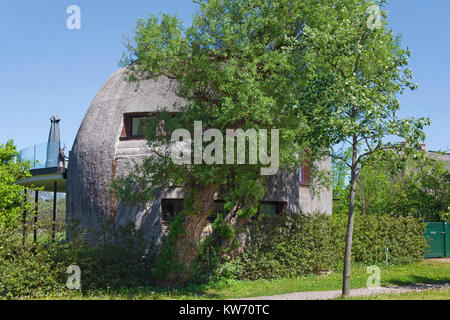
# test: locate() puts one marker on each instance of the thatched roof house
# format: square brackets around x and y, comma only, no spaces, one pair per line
[108,142]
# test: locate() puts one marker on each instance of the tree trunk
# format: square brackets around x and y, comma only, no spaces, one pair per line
[237,223]
[349,239]
[187,244]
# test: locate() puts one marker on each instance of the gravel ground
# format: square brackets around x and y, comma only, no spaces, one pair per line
[327,295]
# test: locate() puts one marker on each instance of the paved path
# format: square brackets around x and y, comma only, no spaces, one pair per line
[442,259]
[327,295]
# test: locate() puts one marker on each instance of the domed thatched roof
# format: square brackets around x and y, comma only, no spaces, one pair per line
[98,156]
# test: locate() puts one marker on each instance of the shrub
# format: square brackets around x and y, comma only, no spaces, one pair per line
[297,245]
[26,271]
[288,246]
[124,261]
[35,271]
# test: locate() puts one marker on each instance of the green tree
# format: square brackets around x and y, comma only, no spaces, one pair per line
[367,69]
[341,174]
[239,67]
[412,183]
[316,70]
[11,194]
[46,211]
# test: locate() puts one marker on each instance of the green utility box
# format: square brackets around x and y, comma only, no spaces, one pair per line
[437,235]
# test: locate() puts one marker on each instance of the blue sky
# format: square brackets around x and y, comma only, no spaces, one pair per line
[47,69]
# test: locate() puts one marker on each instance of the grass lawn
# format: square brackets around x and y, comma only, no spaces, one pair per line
[426,272]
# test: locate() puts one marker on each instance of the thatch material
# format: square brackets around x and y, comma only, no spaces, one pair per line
[98,156]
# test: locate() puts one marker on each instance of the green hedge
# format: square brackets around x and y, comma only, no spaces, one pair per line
[26,271]
[35,271]
[299,245]
[279,247]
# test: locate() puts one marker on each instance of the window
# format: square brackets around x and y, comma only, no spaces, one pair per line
[303,175]
[303,172]
[137,126]
[169,208]
[270,208]
[133,126]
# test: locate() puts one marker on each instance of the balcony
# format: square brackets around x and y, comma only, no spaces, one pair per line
[42,156]
[47,167]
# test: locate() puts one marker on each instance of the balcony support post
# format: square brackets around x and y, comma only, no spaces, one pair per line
[55,186]
[36,212]
[24,216]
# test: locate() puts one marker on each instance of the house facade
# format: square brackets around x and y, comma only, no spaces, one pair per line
[109,142]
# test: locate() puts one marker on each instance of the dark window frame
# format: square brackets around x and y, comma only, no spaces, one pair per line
[127,129]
